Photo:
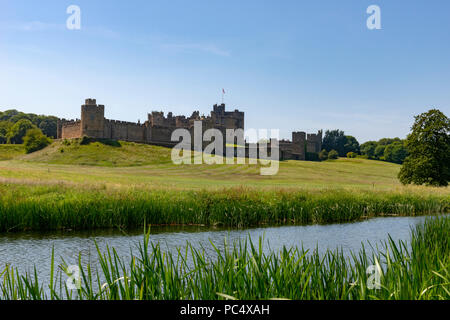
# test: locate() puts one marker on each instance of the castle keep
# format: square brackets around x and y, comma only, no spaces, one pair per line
[158,128]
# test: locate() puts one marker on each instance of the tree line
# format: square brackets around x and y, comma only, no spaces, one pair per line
[424,154]
[31,130]
[337,144]
[15,124]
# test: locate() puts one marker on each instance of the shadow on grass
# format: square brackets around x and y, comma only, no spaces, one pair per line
[108,142]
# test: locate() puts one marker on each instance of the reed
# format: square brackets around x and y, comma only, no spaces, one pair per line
[415,270]
[56,207]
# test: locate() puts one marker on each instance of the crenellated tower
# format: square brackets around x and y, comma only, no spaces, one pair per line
[92,119]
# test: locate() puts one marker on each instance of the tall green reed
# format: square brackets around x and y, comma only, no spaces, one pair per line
[243,270]
[41,208]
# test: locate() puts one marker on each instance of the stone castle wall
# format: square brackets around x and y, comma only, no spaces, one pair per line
[69,129]
[127,131]
[158,129]
[314,142]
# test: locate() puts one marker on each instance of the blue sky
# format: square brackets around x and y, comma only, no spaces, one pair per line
[290,65]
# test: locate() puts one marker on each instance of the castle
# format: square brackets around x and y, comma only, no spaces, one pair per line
[158,129]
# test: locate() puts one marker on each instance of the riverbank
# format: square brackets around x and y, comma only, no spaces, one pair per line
[414,270]
[56,207]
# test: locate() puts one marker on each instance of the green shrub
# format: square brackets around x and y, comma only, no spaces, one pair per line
[35,140]
[85,140]
[333,155]
[323,155]
[108,142]
[352,155]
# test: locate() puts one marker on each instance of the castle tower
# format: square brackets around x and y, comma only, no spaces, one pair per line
[314,142]
[226,119]
[299,138]
[298,145]
[92,119]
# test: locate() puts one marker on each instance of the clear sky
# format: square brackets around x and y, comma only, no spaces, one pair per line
[290,65]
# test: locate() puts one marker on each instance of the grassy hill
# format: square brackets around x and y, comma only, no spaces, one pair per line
[106,153]
[98,185]
[125,163]
[11,151]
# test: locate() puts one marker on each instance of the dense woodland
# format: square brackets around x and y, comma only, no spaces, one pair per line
[15,124]
[386,149]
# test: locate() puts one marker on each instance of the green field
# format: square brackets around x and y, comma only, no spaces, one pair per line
[11,151]
[148,166]
[98,185]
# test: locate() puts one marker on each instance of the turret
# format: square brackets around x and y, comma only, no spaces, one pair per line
[92,119]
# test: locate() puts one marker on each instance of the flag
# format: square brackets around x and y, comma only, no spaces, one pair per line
[223,91]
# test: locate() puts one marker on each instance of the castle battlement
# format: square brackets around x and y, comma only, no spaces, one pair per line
[72,123]
[158,128]
[90,102]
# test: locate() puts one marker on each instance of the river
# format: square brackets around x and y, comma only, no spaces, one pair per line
[26,250]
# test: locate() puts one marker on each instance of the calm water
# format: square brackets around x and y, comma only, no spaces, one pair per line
[24,251]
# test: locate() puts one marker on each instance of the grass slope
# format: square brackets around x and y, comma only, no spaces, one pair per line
[100,185]
[108,153]
[11,151]
[145,165]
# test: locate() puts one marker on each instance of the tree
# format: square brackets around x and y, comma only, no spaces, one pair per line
[19,130]
[35,140]
[333,154]
[368,149]
[351,155]
[379,151]
[333,140]
[387,141]
[428,145]
[5,126]
[351,145]
[46,123]
[338,141]
[395,152]
[323,155]
[8,114]
[48,126]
